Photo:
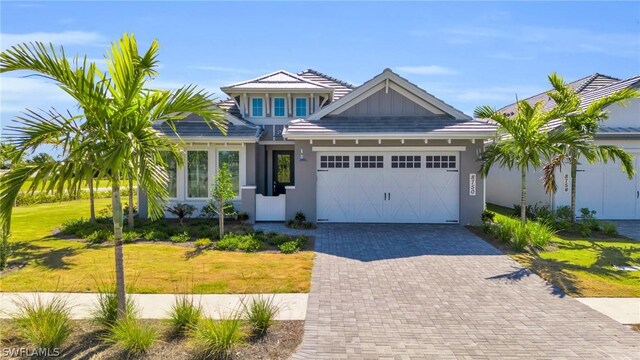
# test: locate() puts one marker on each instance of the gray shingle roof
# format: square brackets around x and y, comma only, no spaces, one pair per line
[340,88]
[280,79]
[387,125]
[194,126]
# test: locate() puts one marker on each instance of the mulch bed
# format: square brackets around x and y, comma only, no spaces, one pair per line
[280,342]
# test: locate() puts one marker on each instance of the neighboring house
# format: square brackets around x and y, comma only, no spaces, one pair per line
[384,152]
[600,187]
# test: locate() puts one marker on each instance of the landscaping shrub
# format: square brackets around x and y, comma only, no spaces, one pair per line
[563,218]
[184,315]
[488,216]
[43,324]
[243,216]
[232,241]
[289,247]
[610,229]
[132,335]
[300,222]
[203,243]
[156,235]
[519,237]
[182,211]
[98,237]
[504,229]
[260,314]
[278,239]
[218,338]
[539,234]
[5,249]
[180,238]
[130,236]
[588,218]
[487,228]
[105,312]
[584,230]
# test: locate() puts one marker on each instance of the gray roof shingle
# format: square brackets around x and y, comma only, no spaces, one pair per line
[194,126]
[340,88]
[387,125]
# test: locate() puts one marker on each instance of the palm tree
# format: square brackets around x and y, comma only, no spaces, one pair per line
[116,127]
[584,124]
[522,142]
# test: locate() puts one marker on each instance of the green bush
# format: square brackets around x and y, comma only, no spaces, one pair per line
[588,218]
[539,234]
[260,313]
[487,228]
[278,239]
[218,338]
[610,229]
[519,237]
[43,324]
[289,247]
[184,315]
[132,335]
[131,236]
[180,238]
[488,216]
[299,222]
[584,229]
[98,237]
[203,243]
[232,241]
[156,235]
[105,312]
[504,229]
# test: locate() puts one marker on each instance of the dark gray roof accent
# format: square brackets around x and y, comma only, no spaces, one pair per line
[194,126]
[340,88]
[585,84]
[386,125]
[229,105]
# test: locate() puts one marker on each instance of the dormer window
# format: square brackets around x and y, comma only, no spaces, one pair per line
[257,107]
[301,106]
[279,107]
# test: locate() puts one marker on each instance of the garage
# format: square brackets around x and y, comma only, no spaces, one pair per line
[388,187]
[607,190]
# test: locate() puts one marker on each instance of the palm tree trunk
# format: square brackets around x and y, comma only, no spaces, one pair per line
[221,218]
[574,173]
[130,215]
[92,205]
[523,197]
[116,203]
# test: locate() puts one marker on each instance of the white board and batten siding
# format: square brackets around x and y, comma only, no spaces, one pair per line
[388,187]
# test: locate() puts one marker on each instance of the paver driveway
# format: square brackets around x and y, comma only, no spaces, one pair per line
[429,291]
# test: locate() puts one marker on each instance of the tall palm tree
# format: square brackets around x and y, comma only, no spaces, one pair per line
[118,113]
[522,142]
[585,124]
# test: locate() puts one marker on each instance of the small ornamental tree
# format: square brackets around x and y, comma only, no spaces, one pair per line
[221,192]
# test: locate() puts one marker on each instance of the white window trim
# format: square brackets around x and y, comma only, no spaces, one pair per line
[251,106]
[295,106]
[186,173]
[241,165]
[273,107]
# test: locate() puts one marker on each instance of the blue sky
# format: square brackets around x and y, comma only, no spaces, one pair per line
[467,54]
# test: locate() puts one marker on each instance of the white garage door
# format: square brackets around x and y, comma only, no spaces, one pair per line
[607,190]
[406,187]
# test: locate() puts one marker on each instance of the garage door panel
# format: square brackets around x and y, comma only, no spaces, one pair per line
[331,184]
[404,202]
[366,195]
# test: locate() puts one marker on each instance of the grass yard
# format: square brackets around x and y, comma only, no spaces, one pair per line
[54,264]
[97,184]
[584,267]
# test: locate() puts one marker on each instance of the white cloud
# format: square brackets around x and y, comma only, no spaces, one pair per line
[17,94]
[426,70]
[57,38]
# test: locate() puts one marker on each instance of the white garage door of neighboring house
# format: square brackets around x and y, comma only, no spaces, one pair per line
[407,187]
[606,189]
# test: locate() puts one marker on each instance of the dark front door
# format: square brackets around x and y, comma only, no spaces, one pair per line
[282,171]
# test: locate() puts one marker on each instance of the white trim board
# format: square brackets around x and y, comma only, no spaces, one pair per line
[386,148]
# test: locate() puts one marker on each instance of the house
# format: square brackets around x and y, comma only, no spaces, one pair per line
[600,187]
[384,152]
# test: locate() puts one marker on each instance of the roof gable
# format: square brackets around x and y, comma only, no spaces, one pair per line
[280,79]
[390,80]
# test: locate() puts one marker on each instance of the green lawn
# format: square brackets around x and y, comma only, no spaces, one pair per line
[85,185]
[65,265]
[584,267]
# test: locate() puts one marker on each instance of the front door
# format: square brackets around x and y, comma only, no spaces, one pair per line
[283,173]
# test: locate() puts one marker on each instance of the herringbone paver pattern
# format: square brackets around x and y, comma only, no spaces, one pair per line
[430,291]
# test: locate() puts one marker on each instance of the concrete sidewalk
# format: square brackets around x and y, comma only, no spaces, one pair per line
[622,310]
[157,306]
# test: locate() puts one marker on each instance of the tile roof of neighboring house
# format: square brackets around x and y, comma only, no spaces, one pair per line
[340,88]
[336,125]
[601,92]
[193,126]
[280,79]
[583,85]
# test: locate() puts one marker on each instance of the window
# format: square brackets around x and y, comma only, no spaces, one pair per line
[232,160]
[405,161]
[368,162]
[440,162]
[172,170]
[197,178]
[257,108]
[334,161]
[279,107]
[301,106]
